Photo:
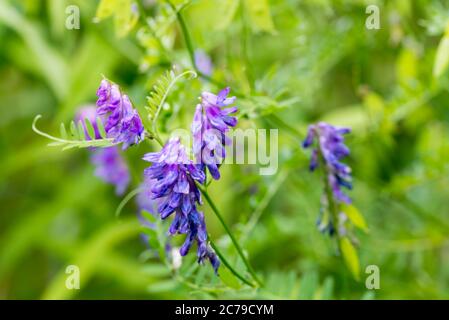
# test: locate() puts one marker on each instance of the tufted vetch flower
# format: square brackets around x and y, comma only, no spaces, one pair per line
[211,121]
[175,176]
[328,151]
[122,122]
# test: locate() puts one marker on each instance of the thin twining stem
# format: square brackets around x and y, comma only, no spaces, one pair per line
[228,231]
[191,50]
[227,264]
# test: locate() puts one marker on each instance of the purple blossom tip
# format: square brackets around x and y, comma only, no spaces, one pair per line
[211,122]
[123,123]
[330,149]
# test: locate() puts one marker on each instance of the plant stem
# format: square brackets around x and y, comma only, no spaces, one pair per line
[185,34]
[191,51]
[332,205]
[227,264]
[228,231]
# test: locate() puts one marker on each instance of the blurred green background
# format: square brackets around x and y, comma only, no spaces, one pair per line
[292,63]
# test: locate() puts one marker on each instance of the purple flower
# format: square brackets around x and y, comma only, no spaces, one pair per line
[203,62]
[110,166]
[146,203]
[123,123]
[210,124]
[174,176]
[144,200]
[329,151]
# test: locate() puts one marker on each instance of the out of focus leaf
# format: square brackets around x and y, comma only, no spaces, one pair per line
[125,14]
[327,289]
[228,278]
[355,216]
[228,8]
[442,55]
[77,139]
[260,16]
[406,66]
[350,256]
[308,285]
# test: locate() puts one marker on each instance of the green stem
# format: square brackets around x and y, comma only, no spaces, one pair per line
[331,203]
[191,51]
[228,231]
[227,264]
[185,34]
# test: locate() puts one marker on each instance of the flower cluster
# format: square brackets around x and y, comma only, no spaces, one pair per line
[109,164]
[123,123]
[210,124]
[175,176]
[329,151]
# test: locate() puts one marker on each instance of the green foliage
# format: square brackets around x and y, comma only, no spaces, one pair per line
[290,63]
[442,55]
[125,14]
[157,97]
[355,216]
[350,256]
[259,12]
[76,137]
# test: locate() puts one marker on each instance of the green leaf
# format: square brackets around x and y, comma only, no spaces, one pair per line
[100,127]
[308,285]
[406,66]
[161,89]
[355,216]
[442,55]
[228,278]
[126,17]
[73,130]
[81,131]
[105,9]
[89,128]
[77,137]
[149,217]
[125,14]
[350,256]
[260,17]
[63,131]
[227,13]
[327,289]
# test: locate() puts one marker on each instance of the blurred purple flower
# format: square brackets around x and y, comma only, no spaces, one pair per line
[332,149]
[329,151]
[203,62]
[123,123]
[210,124]
[175,175]
[110,166]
